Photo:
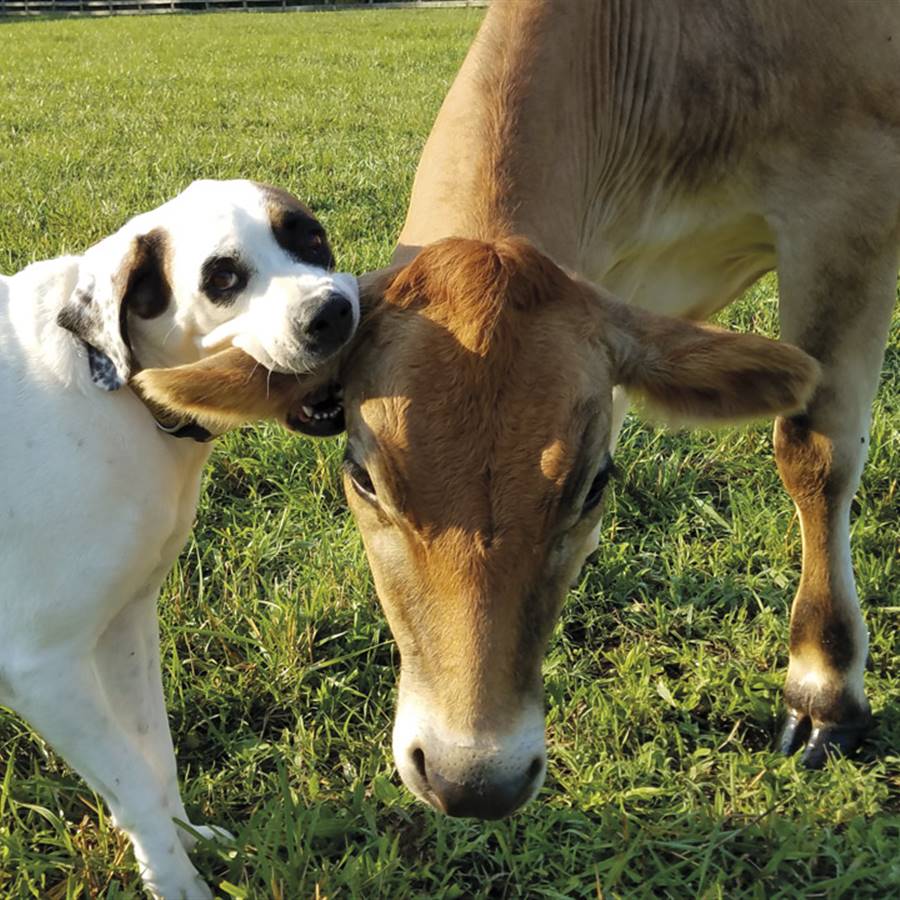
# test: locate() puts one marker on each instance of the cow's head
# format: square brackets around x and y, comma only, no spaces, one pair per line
[478,406]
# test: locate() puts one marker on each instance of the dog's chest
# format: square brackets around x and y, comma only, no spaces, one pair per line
[99,503]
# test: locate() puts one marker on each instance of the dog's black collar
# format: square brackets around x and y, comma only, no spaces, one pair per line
[186,430]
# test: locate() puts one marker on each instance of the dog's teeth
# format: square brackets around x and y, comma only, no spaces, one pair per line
[308,411]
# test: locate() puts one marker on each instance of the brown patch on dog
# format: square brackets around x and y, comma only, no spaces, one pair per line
[147,289]
[141,286]
[296,229]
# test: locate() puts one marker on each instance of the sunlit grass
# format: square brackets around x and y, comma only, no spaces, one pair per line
[664,674]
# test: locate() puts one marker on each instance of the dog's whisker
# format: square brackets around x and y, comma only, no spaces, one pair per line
[253,372]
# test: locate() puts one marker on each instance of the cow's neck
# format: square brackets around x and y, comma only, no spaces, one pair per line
[518,146]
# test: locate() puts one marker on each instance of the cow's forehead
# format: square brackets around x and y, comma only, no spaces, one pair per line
[481,441]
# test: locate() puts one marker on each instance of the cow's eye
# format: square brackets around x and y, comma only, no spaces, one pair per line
[598,485]
[359,477]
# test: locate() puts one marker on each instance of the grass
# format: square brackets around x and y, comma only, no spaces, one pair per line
[664,673]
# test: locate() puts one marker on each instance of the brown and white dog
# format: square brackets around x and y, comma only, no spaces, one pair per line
[99,499]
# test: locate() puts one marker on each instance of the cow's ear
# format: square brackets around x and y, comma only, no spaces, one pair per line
[224,390]
[116,278]
[687,373]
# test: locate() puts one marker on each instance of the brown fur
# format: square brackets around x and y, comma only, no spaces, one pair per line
[673,153]
[296,228]
[224,390]
[819,624]
[693,373]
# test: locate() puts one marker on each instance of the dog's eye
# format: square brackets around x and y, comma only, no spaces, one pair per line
[360,478]
[598,485]
[224,280]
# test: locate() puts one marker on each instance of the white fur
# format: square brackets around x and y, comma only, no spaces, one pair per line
[98,503]
[500,756]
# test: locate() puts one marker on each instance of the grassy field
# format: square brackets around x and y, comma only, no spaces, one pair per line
[664,674]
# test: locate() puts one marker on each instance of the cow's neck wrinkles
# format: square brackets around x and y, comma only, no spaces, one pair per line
[514,148]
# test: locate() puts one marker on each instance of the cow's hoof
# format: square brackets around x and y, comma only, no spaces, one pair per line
[795,733]
[831,740]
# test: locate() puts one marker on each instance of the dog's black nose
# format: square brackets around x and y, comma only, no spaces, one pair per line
[331,324]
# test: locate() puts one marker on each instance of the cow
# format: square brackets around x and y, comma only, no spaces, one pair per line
[671,152]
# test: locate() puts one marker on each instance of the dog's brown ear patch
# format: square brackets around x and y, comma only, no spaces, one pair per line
[109,288]
[224,391]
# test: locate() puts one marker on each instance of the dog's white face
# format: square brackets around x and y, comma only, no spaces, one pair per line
[223,263]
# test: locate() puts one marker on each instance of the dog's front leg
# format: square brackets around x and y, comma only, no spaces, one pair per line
[64,700]
[128,667]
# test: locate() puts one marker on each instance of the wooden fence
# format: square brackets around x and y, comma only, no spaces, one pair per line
[20,8]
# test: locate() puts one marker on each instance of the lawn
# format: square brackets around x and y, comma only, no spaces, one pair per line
[663,676]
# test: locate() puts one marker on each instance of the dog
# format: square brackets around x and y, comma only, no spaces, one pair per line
[102,485]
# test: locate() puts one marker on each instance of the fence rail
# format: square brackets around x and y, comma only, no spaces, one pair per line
[134,7]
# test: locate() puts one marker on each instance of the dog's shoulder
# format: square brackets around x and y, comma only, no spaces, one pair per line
[47,282]
[30,302]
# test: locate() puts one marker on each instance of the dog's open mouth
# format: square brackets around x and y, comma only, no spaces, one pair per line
[321,414]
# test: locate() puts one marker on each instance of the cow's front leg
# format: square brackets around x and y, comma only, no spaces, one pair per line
[838,310]
[824,694]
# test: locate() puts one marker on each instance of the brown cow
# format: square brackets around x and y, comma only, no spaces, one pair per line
[674,152]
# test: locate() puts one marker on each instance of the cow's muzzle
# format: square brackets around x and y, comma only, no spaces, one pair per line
[478,776]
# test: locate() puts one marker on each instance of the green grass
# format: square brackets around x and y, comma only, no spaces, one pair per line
[664,674]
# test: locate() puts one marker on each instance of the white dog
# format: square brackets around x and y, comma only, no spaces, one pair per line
[99,499]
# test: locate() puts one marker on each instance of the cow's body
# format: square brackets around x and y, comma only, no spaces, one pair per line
[674,152]
[666,150]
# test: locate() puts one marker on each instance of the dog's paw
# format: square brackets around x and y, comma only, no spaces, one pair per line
[175,879]
[190,834]
[195,889]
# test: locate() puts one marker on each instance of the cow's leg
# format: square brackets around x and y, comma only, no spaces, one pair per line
[838,310]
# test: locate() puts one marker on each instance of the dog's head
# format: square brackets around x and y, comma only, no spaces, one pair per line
[225,263]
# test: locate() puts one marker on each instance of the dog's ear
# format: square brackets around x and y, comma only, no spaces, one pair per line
[111,285]
[224,390]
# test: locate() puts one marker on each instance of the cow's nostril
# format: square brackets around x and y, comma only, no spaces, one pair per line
[418,759]
[535,768]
